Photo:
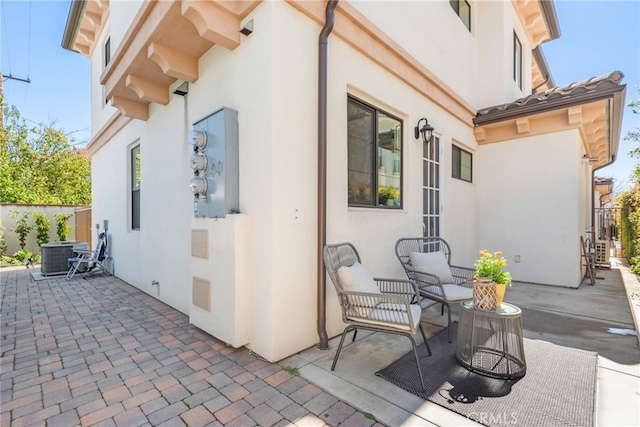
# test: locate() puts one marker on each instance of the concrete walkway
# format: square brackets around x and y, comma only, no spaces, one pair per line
[101,352]
[589,318]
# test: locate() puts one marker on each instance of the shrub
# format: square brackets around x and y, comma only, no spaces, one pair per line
[43,225]
[23,255]
[3,242]
[62,228]
[22,228]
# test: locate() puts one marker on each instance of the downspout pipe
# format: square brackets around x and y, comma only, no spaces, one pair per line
[322,172]
[593,199]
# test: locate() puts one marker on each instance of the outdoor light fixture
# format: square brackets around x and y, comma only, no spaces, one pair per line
[587,159]
[248,28]
[426,131]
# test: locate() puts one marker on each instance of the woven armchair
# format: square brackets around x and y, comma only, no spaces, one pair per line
[436,278]
[379,305]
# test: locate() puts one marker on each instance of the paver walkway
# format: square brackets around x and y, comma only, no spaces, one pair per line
[98,351]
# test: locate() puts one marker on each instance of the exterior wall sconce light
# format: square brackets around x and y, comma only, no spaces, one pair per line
[248,28]
[426,131]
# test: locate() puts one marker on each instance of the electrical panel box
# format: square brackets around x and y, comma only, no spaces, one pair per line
[215,164]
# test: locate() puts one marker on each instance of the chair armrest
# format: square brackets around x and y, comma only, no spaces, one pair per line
[423,278]
[462,273]
[397,286]
[382,309]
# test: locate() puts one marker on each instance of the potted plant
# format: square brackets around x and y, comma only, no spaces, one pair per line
[387,195]
[490,267]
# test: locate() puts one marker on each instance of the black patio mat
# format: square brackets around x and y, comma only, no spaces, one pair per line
[559,388]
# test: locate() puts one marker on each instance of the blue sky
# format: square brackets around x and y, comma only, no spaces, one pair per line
[597,37]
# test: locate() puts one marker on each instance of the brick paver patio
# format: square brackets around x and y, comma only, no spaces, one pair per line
[97,351]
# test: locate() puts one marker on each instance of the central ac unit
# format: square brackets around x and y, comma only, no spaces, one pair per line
[55,256]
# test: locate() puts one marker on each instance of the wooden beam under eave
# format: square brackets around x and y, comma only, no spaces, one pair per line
[522,125]
[173,62]
[148,90]
[574,115]
[480,134]
[88,35]
[213,22]
[94,18]
[131,108]
[82,49]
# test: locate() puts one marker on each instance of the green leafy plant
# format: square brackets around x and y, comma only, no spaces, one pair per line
[3,242]
[369,416]
[491,265]
[22,228]
[62,228]
[43,225]
[387,195]
[23,255]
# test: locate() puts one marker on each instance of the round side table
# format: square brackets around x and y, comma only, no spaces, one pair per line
[491,342]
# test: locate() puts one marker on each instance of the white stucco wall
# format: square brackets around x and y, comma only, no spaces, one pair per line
[271,80]
[530,194]
[160,250]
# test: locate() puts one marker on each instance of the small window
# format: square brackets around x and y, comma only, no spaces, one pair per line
[107,52]
[461,164]
[374,157]
[463,9]
[517,60]
[135,187]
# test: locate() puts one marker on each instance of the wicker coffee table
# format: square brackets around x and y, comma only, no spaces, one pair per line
[491,342]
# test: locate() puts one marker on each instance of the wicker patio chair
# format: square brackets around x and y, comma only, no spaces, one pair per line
[427,261]
[380,305]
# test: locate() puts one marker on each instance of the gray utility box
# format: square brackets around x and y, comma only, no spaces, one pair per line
[215,164]
[55,256]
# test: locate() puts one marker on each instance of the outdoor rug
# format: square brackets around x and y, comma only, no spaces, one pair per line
[559,388]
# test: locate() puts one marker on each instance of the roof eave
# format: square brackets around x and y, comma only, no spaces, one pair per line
[550,17]
[76,12]
[527,110]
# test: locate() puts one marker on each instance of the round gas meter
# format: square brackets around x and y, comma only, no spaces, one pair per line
[198,138]
[198,186]
[198,162]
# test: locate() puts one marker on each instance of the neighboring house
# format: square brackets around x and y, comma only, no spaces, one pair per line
[516,177]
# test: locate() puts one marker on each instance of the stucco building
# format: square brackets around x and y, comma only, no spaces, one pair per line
[309,110]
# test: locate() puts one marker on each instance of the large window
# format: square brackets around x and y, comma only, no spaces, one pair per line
[375,156]
[463,10]
[135,187]
[461,164]
[517,60]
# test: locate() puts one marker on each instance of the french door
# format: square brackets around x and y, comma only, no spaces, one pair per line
[431,188]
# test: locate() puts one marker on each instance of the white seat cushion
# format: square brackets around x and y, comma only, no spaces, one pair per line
[433,263]
[452,292]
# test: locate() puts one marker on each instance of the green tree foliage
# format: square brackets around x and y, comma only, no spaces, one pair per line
[629,201]
[22,228]
[38,165]
[62,227]
[42,225]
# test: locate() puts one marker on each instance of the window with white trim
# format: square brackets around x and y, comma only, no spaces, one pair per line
[135,187]
[462,8]
[374,156]
[517,60]
[461,164]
